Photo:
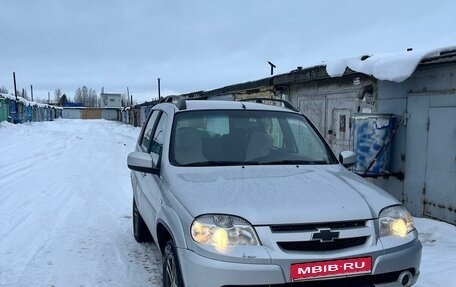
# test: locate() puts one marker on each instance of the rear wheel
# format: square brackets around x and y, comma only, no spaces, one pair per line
[172,276]
[140,229]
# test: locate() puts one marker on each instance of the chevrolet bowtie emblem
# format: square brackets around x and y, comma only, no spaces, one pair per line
[325,235]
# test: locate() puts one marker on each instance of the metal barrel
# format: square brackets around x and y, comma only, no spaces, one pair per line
[370,134]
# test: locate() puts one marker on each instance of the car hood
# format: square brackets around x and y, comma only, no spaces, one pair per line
[265,195]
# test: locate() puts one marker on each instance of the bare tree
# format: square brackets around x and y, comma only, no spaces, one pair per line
[93,98]
[78,96]
[57,95]
[3,90]
[88,97]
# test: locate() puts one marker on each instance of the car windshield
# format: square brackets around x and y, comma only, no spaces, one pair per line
[245,137]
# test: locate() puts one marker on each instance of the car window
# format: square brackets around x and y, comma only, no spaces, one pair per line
[306,140]
[159,136]
[274,130]
[147,136]
[232,137]
[218,124]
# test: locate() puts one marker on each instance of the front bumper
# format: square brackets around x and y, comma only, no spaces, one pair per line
[388,263]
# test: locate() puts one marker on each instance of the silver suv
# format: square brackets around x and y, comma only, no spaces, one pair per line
[247,194]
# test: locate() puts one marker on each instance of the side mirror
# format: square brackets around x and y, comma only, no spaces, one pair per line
[142,162]
[347,158]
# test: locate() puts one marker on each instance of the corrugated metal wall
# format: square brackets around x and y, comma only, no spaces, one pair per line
[110,115]
[87,113]
[330,105]
[424,149]
[71,114]
[4,108]
[91,114]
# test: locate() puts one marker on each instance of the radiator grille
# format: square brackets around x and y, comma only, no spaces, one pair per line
[316,245]
[315,226]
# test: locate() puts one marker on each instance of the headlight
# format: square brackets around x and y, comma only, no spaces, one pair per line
[223,231]
[395,220]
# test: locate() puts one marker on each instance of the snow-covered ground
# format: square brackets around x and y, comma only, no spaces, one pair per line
[65,207]
[65,211]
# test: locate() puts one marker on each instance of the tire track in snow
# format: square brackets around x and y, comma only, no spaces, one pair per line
[27,237]
[75,203]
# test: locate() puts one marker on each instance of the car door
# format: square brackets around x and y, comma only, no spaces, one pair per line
[150,184]
[143,145]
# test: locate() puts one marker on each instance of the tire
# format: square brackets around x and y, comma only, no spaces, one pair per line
[172,276]
[140,229]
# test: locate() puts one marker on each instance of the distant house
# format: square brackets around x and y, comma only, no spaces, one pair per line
[109,100]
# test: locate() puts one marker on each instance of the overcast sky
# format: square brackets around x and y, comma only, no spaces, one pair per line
[200,44]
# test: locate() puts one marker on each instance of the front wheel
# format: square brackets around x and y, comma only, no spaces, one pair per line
[172,276]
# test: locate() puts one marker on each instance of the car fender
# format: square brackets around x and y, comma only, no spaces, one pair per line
[169,218]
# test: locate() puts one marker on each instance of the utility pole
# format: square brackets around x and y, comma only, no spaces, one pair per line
[128,96]
[131,102]
[15,89]
[159,96]
[49,98]
[31,91]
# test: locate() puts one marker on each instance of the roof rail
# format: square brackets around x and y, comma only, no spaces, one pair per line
[179,101]
[287,104]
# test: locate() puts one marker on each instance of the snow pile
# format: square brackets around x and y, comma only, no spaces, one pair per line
[395,67]
[27,102]
[438,263]
[5,124]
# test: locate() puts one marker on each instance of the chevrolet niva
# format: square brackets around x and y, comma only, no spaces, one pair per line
[246,194]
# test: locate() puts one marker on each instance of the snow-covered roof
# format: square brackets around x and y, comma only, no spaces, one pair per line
[27,102]
[396,67]
[111,94]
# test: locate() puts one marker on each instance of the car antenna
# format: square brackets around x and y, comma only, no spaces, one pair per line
[243,106]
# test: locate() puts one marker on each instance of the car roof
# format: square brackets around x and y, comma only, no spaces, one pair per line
[231,105]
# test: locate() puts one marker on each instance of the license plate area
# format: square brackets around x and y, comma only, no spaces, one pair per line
[331,268]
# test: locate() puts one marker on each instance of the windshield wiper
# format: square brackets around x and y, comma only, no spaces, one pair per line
[213,163]
[296,161]
[252,162]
